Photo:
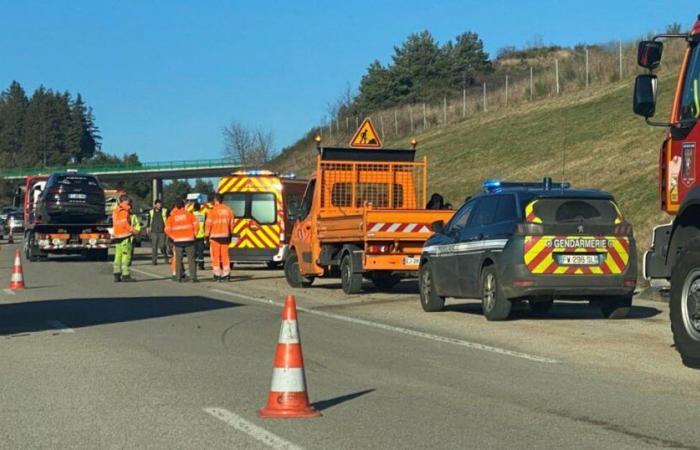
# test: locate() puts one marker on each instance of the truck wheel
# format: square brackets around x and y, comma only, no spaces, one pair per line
[292,273]
[430,301]
[494,304]
[685,306]
[349,280]
[615,307]
[28,244]
[540,305]
[384,280]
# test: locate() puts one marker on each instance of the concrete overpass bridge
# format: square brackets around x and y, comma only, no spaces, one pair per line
[156,172]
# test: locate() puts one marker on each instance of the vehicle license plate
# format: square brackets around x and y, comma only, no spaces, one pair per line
[411,260]
[77,196]
[579,260]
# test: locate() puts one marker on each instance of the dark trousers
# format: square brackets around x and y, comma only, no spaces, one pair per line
[199,250]
[158,243]
[187,247]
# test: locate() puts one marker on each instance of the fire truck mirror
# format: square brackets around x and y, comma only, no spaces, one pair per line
[649,54]
[644,102]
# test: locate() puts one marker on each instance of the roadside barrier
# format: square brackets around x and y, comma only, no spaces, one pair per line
[288,397]
[17,278]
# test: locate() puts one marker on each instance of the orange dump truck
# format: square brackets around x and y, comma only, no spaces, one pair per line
[362,216]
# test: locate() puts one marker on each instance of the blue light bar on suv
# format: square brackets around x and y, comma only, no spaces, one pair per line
[491,186]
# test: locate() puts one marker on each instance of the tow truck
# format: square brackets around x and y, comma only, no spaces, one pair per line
[42,238]
[673,260]
[363,215]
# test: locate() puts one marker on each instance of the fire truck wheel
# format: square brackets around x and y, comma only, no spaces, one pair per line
[684,305]
[494,304]
[350,281]
[293,274]
[430,301]
[384,280]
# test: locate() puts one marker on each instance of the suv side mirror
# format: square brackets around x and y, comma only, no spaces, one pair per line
[644,101]
[649,54]
[438,226]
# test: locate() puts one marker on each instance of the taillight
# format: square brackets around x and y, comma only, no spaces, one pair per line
[378,248]
[623,229]
[530,229]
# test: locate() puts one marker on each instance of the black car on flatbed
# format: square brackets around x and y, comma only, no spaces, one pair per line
[532,242]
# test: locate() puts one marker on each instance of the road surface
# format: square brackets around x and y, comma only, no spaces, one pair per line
[85,362]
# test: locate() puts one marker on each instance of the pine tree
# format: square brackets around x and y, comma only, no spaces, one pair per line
[467,59]
[13,107]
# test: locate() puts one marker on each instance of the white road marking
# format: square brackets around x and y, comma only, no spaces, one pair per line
[9,291]
[383,326]
[59,326]
[252,430]
[402,330]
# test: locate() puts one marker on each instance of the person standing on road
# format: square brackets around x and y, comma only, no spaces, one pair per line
[218,228]
[121,236]
[201,215]
[181,227]
[136,225]
[156,230]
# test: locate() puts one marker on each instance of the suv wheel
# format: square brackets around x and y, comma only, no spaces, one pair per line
[429,299]
[615,307]
[292,272]
[349,280]
[494,304]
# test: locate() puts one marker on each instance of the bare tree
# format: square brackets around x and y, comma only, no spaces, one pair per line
[246,146]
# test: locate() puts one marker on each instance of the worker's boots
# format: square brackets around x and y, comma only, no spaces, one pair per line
[117,277]
[127,279]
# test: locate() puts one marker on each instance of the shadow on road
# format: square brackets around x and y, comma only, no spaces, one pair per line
[325,404]
[76,313]
[560,311]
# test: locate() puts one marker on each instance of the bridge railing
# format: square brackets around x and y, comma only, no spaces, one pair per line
[117,168]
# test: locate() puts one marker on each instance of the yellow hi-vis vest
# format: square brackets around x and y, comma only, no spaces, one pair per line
[201,217]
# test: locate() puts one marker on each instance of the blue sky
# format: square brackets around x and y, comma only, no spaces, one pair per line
[164,77]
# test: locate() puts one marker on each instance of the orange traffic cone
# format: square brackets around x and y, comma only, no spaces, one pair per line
[17,278]
[288,397]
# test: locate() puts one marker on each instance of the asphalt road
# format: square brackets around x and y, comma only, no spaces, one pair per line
[85,362]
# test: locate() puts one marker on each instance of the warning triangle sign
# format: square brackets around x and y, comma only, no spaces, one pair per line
[366,136]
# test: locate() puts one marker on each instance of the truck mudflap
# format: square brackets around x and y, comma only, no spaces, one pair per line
[655,262]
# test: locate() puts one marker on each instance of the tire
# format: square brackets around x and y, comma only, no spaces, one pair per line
[685,281]
[615,307]
[292,273]
[493,303]
[540,306]
[28,243]
[430,301]
[384,280]
[349,280]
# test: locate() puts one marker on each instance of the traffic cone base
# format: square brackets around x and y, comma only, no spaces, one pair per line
[17,278]
[288,397]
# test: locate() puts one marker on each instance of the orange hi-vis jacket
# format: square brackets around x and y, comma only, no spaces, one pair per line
[219,223]
[121,220]
[181,225]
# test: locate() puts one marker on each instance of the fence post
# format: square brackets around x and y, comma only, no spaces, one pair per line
[532,93]
[506,90]
[464,102]
[337,126]
[410,114]
[381,124]
[485,97]
[347,124]
[425,118]
[330,131]
[556,73]
[620,60]
[396,123]
[587,79]
[444,110]
[357,122]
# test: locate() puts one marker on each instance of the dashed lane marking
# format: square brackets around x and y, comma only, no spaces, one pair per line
[258,433]
[59,326]
[386,327]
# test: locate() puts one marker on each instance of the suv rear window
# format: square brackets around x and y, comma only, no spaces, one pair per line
[576,210]
[73,180]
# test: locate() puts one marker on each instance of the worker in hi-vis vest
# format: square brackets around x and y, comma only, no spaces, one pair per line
[121,236]
[200,213]
[219,228]
[181,227]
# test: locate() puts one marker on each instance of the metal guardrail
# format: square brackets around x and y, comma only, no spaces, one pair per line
[120,168]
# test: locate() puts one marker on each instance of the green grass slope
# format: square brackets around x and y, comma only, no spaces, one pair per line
[590,138]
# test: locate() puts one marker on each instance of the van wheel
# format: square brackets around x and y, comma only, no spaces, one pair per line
[293,275]
[384,280]
[615,307]
[430,301]
[494,304]
[349,280]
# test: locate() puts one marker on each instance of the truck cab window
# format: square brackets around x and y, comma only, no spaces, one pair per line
[690,99]
[305,207]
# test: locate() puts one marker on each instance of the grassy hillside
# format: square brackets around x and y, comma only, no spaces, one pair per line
[590,138]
